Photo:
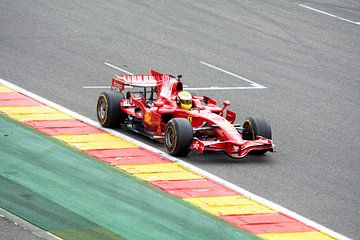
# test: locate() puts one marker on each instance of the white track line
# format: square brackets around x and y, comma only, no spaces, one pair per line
[107,87]
[96,87]
[252,83]
[102,87]
[329,14]
[54,236]
[117,68]
[222,88]
[183,163]
[186,88]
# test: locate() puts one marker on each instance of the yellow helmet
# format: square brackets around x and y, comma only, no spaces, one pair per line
[184,99]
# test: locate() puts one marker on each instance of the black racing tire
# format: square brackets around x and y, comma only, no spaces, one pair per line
[178,137]
[256,126]
[108,109]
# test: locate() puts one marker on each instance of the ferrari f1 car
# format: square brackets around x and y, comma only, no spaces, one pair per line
[157,106]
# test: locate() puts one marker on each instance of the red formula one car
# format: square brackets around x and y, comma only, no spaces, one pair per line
[157,106]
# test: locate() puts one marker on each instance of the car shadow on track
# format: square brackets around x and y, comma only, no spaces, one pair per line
[219,157]
[206,158]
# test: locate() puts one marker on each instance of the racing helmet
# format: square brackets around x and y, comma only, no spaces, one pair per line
[184,100]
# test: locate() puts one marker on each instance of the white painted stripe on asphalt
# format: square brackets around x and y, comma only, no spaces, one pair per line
[222,88]
[102,87]
[117,68]
[252,83]
[54,236]
[183,163]
[186,88]
[329,14]
[95,87]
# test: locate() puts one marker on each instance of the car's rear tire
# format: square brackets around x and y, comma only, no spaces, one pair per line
[256,126]
[108,109]
[178,136]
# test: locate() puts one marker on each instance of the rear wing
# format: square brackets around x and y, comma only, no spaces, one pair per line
[155,79]
[119,82]
[169,84]
[163,82]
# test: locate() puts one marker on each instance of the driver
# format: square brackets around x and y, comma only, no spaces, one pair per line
[184,100]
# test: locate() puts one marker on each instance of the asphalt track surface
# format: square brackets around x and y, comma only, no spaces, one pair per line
[308,61]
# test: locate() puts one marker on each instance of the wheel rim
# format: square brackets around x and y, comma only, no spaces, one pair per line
[248,132]
[169,138]
[101,109]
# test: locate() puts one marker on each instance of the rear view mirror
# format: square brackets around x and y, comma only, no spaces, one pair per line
[226,103]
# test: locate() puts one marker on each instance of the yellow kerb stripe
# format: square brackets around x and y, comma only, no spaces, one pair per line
[4,89]
[152,168]
[149,177]
[28,110]
[161,171]
[97,137]
[229,205]
[95,141]
[34,113]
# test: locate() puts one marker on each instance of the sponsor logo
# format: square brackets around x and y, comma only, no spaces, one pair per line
[142,80]
[190,119]
[198,146]
[147,118]
[235,148]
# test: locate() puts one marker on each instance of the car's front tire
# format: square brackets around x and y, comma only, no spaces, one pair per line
[256,126]
[108,109]
[178,136]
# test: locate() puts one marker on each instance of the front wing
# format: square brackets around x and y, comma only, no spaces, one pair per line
[232,148]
